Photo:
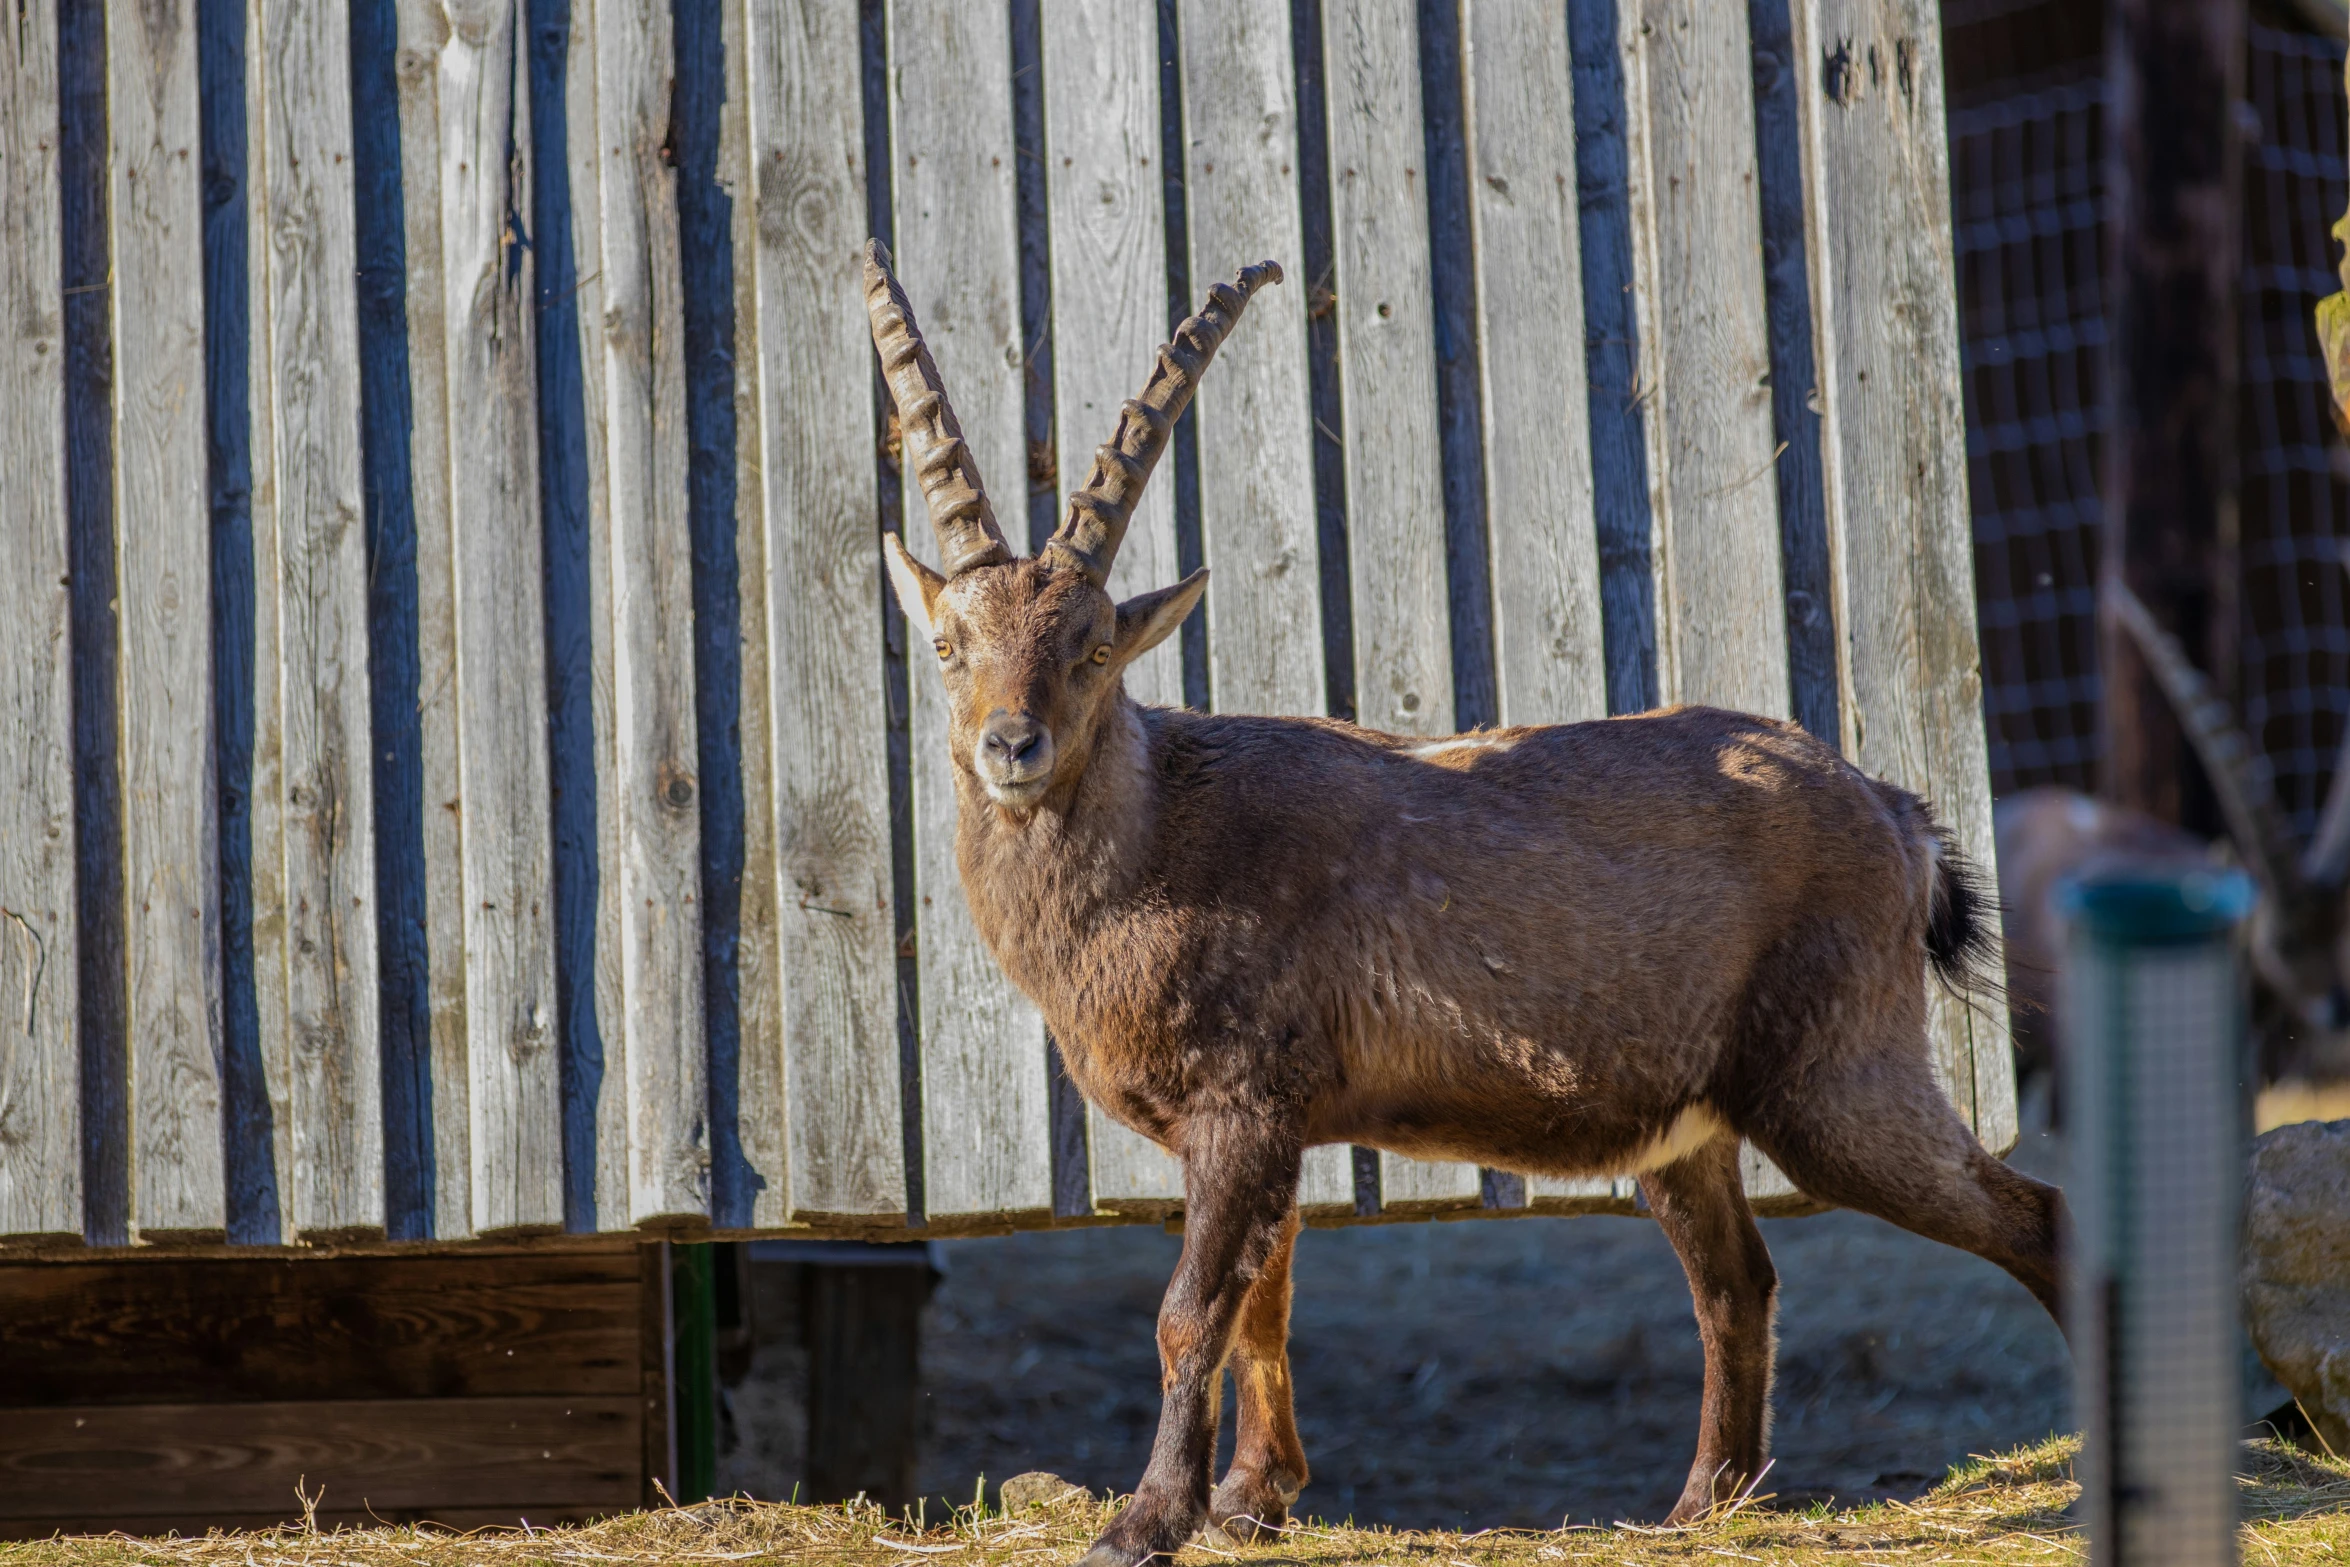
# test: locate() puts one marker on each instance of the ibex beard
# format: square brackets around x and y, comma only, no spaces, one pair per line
[1612,947]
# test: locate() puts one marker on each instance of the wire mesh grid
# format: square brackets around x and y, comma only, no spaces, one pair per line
[2294,502]
[2027,173]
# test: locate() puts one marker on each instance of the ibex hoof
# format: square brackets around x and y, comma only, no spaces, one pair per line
[1105,1554]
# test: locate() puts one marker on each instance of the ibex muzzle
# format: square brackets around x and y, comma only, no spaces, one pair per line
[1615,947]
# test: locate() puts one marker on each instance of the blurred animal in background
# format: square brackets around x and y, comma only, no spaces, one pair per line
[2048,837]
[2296,943]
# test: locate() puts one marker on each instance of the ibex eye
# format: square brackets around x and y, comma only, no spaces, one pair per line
[1101,655]
[943,650]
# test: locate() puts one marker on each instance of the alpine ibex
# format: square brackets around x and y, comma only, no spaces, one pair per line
[2298,940]
[1602,947]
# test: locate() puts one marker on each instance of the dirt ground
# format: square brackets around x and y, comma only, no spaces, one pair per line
[1520,1372]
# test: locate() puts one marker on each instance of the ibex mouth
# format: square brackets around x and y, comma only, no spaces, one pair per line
[1014,759]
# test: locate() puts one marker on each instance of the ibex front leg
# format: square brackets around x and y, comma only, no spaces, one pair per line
[1239,1186]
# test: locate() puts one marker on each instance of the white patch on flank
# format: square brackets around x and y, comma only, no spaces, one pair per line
[1691,1130]
[1462,743]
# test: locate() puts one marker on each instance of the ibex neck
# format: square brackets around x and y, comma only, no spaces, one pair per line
[1038,879]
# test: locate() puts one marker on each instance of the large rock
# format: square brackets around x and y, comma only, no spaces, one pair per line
[1040,1489]
[2297,1268]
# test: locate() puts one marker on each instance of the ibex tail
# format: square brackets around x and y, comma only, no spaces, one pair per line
[1958,932]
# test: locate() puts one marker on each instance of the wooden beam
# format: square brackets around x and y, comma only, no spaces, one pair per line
[1258,526]
[986,1108]
[313,789]
[2173,175]
[826,1067]
[163,557]
[40,1158]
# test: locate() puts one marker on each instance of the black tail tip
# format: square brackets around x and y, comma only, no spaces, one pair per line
[1958,931]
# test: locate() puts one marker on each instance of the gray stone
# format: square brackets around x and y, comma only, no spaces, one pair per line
[2297,1268]
[1039,1489]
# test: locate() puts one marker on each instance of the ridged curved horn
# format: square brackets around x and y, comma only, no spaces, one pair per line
[935,452]
[2239,773]
[1095,524]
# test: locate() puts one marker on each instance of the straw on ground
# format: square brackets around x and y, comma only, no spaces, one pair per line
[1992,1512]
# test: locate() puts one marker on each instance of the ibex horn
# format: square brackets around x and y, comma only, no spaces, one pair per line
[2238,771]
[1095,524]
[935,451]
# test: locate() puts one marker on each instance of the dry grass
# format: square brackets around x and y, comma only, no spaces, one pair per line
[2009,1509]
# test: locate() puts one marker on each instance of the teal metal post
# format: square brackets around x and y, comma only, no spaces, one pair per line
[2153,1029]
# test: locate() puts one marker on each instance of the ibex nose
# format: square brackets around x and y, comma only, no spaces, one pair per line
[1015,747]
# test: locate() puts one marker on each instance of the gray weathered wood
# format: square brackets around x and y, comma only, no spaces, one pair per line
[762,1107]
[486,570]
[40,1106]
[1548,658]
[1705,365]
[423,31]
[583,149]
[985,1115]
[164,557]
[1893,456]
[1387,369]
[835,943]
[319,1013]
[648,557]
[1704,354]
[1256,457]
[1519,80]
[265,794]
[1109,282]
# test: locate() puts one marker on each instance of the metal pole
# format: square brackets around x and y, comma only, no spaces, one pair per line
[2153,1026]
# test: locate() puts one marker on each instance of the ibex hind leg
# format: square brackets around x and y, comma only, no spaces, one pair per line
[1701,1206]
[1268,1461]
[1876,1134]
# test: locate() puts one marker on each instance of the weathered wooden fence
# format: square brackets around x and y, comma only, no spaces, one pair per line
[461,778]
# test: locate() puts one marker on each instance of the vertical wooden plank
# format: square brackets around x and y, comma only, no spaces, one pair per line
[485,570]
[164,558]
[1705,369]
[423,32]
[1549,661]
[265,792]
[763,1113]
[650,566]
[1257,523]
[1893,453]
[1256,459]
[1387,367]
[1107,218]
[1704,354]
[836,950]
[40,1108]
[314,693]
[583,148]
[986,1133]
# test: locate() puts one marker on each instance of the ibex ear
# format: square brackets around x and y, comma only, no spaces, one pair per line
[916,584]
[1148,619]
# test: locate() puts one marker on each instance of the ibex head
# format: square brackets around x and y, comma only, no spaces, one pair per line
[2300,935]
[1033,650]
